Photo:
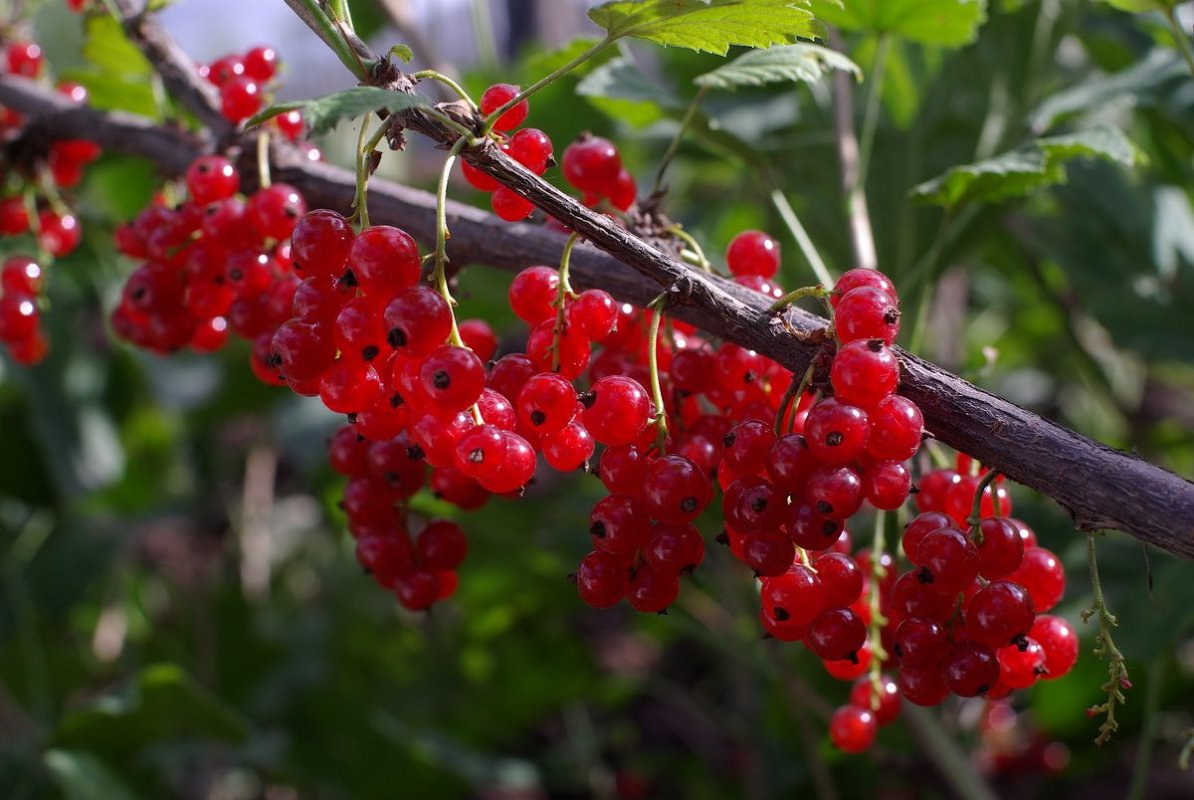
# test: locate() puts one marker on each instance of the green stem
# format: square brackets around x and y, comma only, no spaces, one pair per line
[975,519]
[674,146]
[564,292]
[1105,647]
[878,620]
[1141,770]
[483,33]
[941,748]
[694,245]
[656,307]
[870,122]
[263,176]
[1180,37]
[786,416]
[451,84]
[788,215]
[548,80]
[440,275]
[312,12]
[799,294]
[926,268]
[360,199]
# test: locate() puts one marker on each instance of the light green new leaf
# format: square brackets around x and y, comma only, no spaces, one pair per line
[1039,164]
[950,23]
[709,25]
[797,62]
[1141,6]
[106,47]
[322,113]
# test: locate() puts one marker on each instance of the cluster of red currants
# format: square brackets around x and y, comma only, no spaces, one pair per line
[243,80]
[20,318]
[215,264]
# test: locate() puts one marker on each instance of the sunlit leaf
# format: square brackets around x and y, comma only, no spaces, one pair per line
[1022,171]
[709,25]
[82,776]
[950,23]
[804,62]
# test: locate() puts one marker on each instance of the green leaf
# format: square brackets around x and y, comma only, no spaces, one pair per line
[804,62]
[82,776]
[547,62]
[949,23]
[1039,164]
[403,52]
[111,52]
[323,113]
[1141,6]
[709,25]
[621,79]
[163,703]
[110,92]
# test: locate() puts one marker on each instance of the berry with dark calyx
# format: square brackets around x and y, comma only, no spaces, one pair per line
[920,642]
[674,549]
[497,96]
[864,372]
[949,561]
[619,524]
[866,313]
[835,492]
[748,446]
[276,210]
[1022,664]
[519,466]
[651,591]
[812,530]
[602,579]
[480,451]
[1059,641]
[545,345]
[616,410]
[348,453]
[359,329]
[546,403]
[675,490]
[435,438]
[509,374]
[841,578]
[912,598]
[999,613]
[753,253]
[796,595]
[970,669]
[211,178]
[592,164]
[758,507]
[836,432]
[453,378]
[418,321]
[531,147]
[303,350]
[593,313]
[790,463]
[348,386]
[920,527]
[568,449]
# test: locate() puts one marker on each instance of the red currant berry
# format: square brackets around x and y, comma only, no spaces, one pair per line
[1042,574]
[418,321]
[970,669]
[453,378]
[320,243]
[616,410]
[674,489]
[497,96]
[602,579]
[864,372]
[753,253]
[510,206]
[211,178]
[866,313]
[441,546]
[1060,643]
[592,164]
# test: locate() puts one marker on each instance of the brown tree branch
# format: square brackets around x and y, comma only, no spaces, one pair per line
[1101,487]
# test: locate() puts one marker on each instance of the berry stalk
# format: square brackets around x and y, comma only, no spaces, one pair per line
[1105,647]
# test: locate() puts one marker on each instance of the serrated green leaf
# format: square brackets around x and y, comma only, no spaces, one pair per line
[709,25]
[1039,164]
[547,62]
[621,79]
[950,23]
[109,50]
[804,62]
[82,776]
[323,113]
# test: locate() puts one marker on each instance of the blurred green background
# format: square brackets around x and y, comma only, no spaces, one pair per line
[181,612]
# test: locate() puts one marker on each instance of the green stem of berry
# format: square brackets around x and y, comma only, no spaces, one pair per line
[975,519]
[329,29]
[564,292]
[688,239]
[440,275]
[548,80]
[788,299]
[1179,36]
[785,419]
[451,84]
[43,256]
[788,215]
[1105,648]
[674,146]
[870,121]
[361,197]
[878,620]
[656,307]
